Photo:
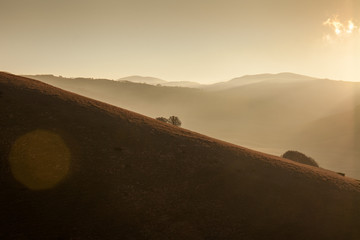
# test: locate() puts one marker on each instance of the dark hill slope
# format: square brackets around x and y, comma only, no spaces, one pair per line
[131,177]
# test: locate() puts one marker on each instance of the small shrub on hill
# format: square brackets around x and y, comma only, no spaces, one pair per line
[300,158]
[162,119]
[174,120]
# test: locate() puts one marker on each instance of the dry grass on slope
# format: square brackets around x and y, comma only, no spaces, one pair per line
[132,177]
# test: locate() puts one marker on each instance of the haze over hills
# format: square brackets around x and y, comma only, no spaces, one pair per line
[140,79]
[236,82]
[336,137]
[123,175]
[267,112]
[252,79]
[157,81]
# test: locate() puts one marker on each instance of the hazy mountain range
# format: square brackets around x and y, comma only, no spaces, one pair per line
[267,112]
[157,81]
[77,168]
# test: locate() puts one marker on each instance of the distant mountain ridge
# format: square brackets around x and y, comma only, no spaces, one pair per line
[157,81]
[235,82]
[141,79]
[258,78]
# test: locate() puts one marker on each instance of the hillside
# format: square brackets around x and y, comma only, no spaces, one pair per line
[120,175]
[266,112]
[336,137]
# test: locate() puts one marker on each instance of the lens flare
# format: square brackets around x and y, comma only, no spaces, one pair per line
[39,159]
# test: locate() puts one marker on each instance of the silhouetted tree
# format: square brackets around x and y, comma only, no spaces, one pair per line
[162,119]
[174,121]
[300,158]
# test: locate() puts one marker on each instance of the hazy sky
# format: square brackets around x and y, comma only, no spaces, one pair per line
[194,40]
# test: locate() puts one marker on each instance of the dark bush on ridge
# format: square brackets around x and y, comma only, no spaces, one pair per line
[300,158]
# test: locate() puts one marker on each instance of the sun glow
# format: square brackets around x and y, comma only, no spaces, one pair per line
[341,29]
[351,27]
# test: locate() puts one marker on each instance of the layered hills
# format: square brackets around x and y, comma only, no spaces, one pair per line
[268,112]
[160,82]
[76,168]
[141,79]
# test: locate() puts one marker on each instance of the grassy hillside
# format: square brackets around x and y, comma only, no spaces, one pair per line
[264,112]
[120,175]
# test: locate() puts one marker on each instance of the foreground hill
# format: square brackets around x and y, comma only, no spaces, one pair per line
[116,174]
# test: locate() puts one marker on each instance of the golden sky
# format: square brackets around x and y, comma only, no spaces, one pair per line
[191,40]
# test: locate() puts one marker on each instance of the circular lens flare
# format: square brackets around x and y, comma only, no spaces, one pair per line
[39,159]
